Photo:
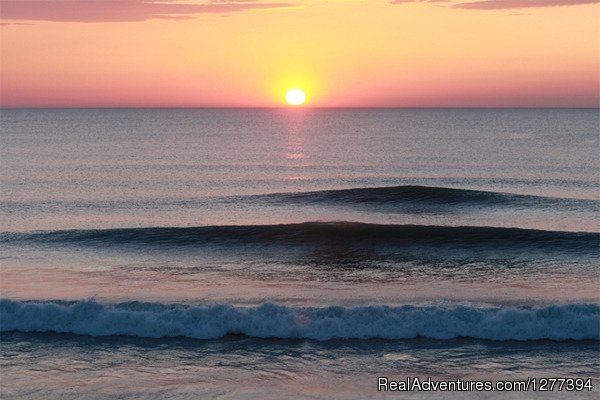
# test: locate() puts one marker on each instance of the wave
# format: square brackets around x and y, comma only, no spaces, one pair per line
[405,198]
[156,320]
[349,234]
[423,197]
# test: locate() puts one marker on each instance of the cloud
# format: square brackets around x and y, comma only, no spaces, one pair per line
[511,4]
[121,10]
[503,4]
[13,23]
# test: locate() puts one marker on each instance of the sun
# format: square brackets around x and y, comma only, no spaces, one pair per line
[295,97]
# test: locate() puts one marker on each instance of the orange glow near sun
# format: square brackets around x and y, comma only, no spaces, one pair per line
[185,53]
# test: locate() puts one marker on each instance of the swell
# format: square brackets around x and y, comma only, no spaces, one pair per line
[404,198]
[428,196]
[356,234]
[155,320]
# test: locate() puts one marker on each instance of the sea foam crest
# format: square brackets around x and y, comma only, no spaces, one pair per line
[154,320]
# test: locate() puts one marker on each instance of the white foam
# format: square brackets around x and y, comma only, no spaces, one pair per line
[154,320]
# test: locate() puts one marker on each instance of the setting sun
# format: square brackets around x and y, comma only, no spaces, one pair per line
[295,97]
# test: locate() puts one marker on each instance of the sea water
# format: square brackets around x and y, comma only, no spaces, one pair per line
[296,253]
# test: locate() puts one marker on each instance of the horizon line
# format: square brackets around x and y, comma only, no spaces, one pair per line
[307,107]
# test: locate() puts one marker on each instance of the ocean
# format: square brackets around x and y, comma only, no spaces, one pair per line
[297,253]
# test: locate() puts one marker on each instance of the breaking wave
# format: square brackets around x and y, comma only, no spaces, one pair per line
[156,320]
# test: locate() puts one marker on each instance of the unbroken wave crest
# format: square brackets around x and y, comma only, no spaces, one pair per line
[359,235]
[427,197]
[155,320]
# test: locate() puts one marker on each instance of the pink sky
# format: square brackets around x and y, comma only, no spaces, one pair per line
[343,53]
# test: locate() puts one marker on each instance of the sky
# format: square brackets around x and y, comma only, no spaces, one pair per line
[341,53]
